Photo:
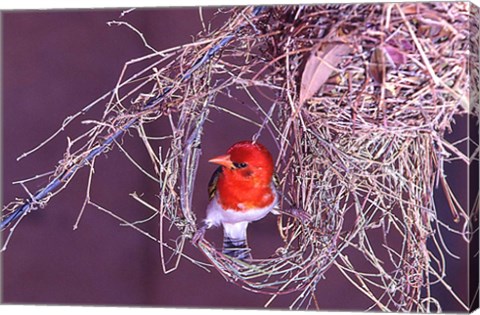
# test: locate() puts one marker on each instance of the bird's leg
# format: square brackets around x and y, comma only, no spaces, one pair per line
[200,234]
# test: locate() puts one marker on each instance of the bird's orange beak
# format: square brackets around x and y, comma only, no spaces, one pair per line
[223,160]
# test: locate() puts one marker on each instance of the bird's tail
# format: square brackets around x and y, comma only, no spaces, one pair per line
[235,240]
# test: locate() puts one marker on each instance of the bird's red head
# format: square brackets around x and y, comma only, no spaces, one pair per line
[248,161]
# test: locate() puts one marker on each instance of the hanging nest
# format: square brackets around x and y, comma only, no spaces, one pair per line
[358,100]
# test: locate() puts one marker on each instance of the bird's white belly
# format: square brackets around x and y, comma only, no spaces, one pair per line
[216,215]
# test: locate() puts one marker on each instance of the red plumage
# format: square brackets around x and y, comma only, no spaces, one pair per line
[250,187]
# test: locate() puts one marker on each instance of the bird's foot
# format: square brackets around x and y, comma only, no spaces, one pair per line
[199,235]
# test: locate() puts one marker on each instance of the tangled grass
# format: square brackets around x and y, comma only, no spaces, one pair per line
[360,99]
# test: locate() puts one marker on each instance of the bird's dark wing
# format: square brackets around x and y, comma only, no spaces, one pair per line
[212,184]
[276,180]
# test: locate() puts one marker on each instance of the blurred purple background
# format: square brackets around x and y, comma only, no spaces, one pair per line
[54,64]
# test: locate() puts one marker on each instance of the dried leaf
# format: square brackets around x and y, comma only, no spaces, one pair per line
[377,66]
[395,55]
[409,9]
[406,45]
[382,59]
[323,60]
[429,30]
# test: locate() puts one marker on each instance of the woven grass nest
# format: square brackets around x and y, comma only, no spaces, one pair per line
[358,99]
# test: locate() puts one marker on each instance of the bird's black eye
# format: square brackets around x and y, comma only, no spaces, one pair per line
[239,165]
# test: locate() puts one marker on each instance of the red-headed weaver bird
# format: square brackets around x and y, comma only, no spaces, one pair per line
[241,190]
